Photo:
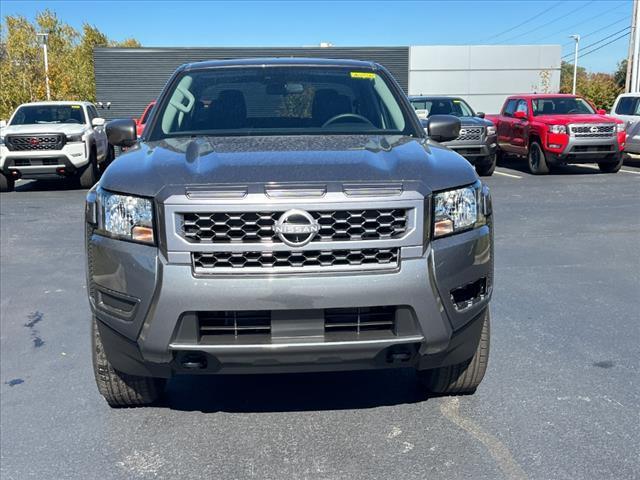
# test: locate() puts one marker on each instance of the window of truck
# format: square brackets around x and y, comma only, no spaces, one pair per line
[34,114]
[628,106]
[280,101]
[561,106]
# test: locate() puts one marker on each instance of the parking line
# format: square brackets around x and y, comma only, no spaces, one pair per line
[497,172]
[598,168]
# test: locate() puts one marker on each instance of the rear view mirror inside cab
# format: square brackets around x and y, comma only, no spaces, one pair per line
[284,88]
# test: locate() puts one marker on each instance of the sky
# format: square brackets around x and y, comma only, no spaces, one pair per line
[167,23]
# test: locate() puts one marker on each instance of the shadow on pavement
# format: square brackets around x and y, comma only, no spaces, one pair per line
[293,392]
[632,162]
[520,165]
[48,185]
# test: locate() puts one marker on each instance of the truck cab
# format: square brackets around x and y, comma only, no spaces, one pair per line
[558,129]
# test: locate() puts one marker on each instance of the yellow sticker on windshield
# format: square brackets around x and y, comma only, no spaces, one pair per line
[75,106]
[363,75]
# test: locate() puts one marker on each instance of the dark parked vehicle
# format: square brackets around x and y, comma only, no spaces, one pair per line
[287,215]
[477,139]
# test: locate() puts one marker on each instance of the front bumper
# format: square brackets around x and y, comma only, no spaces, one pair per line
[477,153]
[633,144]
[43,163]
[141,301]
[583,150]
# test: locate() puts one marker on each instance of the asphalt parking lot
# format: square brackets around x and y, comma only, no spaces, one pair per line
[561,398]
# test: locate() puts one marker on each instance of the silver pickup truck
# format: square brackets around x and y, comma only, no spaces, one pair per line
[287,215]
[477,141]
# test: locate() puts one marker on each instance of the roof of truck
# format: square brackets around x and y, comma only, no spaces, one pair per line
[543,95]
[61,102]
[278,61]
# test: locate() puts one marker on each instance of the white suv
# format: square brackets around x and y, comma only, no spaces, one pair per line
[54,139]
[627,109]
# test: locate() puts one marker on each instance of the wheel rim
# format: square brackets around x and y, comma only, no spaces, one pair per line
[535,158]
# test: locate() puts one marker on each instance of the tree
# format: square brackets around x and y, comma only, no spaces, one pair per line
[621,73]
[600,88]
[71,73]
[566,76]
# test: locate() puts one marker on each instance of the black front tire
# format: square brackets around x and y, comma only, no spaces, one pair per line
[537,160]
[462,378]
[89,173]
[611,167]
[120,389]
[6,184]
[111,155]
[487,169]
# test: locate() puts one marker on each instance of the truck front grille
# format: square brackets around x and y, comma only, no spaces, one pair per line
[470,134]
[587,130]
[235,323]
[252,323]
[359,319]
[219,262]
[17,143]
[258,227]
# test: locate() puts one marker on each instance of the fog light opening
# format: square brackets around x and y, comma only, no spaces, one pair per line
[469,294]
[193,361]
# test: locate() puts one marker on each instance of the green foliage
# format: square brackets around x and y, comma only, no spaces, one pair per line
[601,88]
[70,54]
[621,73]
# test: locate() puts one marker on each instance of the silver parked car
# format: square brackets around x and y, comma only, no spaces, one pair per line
[627,108]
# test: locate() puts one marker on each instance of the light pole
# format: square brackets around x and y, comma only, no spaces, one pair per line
[575,61]
[43,38]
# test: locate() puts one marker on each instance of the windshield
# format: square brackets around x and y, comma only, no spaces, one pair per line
[33,114]
[628,106]
[279,101]
[442,106]
[561,106]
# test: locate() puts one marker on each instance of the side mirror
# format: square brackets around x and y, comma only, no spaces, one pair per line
[98,122]
[520,115]
[443,128]
[3,123]
[480,114]
[601,112]
[121,133]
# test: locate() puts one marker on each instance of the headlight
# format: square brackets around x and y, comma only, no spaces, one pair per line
[460,209]
[557,129]
[126,217]
[620,127]
[491,130]
[75,138]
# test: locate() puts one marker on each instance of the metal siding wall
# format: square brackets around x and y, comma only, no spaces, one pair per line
[483,74]
[131,78]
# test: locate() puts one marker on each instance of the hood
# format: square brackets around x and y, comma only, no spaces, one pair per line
[567,119]
[173,164]
[466,122]
[38,128]
[475,122]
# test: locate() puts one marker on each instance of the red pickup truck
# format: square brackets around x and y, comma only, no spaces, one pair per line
[558,129]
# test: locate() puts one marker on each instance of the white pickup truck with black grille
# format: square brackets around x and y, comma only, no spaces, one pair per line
[54,139]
